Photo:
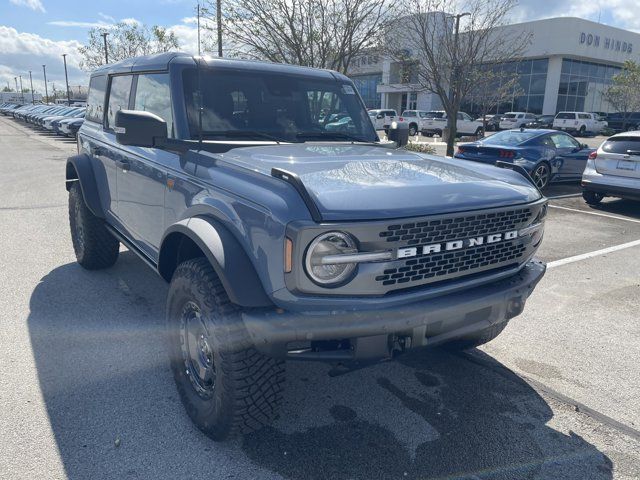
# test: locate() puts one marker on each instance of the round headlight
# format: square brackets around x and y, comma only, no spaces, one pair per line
[331,243]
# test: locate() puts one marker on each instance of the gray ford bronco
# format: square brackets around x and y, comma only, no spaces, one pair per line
[286,230]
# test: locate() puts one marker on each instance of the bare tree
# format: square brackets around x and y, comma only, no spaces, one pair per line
[450,41]
[315,33]
[493,86]
[624,93]
[125,40]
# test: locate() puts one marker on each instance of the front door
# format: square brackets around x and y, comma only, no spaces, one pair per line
[569,155]
[142,174]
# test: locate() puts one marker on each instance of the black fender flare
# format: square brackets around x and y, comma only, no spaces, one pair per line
[227,257]
[79,169]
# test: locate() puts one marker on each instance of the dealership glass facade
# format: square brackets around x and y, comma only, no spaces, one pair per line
[366,85]
[532,80]
[582,84]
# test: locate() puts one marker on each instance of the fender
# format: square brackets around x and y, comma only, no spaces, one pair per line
[224,252]
[81,164]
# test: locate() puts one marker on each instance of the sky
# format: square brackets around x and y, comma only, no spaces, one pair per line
[37,32]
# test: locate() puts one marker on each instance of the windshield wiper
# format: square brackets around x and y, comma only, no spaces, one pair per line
[243,133]
[334,135]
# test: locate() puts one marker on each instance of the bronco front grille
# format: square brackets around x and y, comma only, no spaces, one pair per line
[441,264]
[466,226]
[444,265]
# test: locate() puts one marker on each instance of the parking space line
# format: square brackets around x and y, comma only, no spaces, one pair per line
[569,195]
[595,253]
[596,213]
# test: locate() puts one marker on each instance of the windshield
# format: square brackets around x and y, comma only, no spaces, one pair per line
[275,106]
[566,115]
[435,115]
[509,137]
[509,115]
[409,113]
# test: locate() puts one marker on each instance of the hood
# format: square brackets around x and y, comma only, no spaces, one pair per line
[363,182]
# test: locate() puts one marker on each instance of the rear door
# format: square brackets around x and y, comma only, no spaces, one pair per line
[620,157]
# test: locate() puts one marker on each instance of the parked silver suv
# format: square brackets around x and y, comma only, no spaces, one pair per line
[614,169]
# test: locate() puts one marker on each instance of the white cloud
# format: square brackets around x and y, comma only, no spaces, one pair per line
[106,17]
[131,21]
[73,23]
[618,13]
[21,52]
[35,5]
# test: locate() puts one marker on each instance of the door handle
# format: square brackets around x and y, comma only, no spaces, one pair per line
[124,165]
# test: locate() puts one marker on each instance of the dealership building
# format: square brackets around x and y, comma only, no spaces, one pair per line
[566,66]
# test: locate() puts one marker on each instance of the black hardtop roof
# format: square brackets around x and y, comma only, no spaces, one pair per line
[161,61]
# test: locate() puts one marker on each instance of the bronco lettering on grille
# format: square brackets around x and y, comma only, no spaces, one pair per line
[408,252]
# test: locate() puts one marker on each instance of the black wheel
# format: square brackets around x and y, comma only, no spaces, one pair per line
[582,130]
[592,198]
[413,129]
[479,132]
[480,338]
[94,246]
[541,175]
[226,386]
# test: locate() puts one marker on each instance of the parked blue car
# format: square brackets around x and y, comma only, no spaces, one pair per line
[548,155]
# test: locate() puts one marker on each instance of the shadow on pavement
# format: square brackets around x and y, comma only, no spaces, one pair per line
[618,206]
[98,344]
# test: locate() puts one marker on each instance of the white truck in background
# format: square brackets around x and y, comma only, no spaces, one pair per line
[579,123]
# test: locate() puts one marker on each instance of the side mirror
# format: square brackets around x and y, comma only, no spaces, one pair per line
[583,146]
[140,129]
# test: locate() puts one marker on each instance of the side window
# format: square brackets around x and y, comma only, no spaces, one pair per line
[564,141]
[465,116]
[118,98]
[460,116]
[546,141]
[95,99]
[153,94]
[584,116]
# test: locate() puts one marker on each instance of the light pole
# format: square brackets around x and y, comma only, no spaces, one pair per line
[21,89]
[66,78]
[219,25]
[198,10]
[16,80]
[106,51]
[454,77]
[46,91]
[31,82]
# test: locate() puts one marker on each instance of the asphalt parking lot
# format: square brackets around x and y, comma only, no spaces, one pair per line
[86,391]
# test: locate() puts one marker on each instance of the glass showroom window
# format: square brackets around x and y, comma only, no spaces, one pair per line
[582,84]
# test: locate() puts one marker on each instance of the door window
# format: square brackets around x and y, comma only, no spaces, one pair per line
[564,141]
[95,99]
[154,95]
[118,98]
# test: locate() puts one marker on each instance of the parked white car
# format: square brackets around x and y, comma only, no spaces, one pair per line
[436,121]
[579,122]
[614,169]
[382,118]
[515,120]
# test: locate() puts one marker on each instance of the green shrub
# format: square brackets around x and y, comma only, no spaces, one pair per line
[420,147]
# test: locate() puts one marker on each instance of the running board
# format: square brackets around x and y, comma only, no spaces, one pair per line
[127,243]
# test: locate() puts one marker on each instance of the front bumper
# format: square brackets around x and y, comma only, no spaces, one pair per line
[376,334]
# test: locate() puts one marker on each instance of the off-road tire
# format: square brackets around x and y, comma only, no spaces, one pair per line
[582,131]
[480,338]
[248,385]
[93,244]
[592,198]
